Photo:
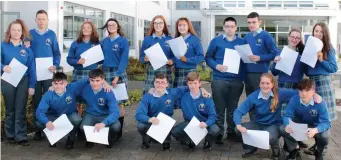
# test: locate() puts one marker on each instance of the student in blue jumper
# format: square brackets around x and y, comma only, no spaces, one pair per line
[156,100]
[44,44]
[158,33]
[321,73]
[16,97]
[291,82]
[226,87]
[193,56]
[101,107]
[193,104]
[264,50]
[303,109]
[267,112]
[116,56]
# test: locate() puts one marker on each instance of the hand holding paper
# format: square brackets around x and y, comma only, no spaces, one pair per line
[299,131]
[232,61]
[194,131]
[43,68]
[312,47]
[178,46]
[17,72]
[259,139]
[92,55]
[62,126]
[156,56]
[244,52]
[97,137]
[120,92]
[161,130]
[287,60]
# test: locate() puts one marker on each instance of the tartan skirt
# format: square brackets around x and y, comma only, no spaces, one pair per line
[80,74]
[325,89]
[181,76]
[149,83]
[109,76]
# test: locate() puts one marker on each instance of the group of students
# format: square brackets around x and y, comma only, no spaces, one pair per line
[266,102]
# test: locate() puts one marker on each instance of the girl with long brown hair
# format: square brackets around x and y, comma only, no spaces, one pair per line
[116,56]
[267,112]
[15,97]
[325,66]
[158,33]
[193,56]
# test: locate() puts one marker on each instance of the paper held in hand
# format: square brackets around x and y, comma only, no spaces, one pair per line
[160,131]
[92,55]
[178,46]
[157,57]
[312,47]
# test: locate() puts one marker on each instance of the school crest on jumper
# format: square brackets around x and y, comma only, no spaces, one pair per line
[68,99]
[22,52]
[168,102]
[201,107]
[313,113]
[48,41]
[259,41]
[101,101]
[115,47]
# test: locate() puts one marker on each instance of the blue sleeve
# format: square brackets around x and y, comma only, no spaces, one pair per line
[31,69]
[71,59]
[56,52]
[124,58]
[242,110]
[199,54]
[210,55]
[274,71]
[114,112]
[141,114]
[289,111]
[43,108]
[179,92]
[212,115]
[330,65]
[145,45]
[286,94]
[2,58]
[324,122]
[79,85]
[271,48]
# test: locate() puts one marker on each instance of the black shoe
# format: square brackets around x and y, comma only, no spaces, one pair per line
[219,140]
[302,145]
[23,143]
[53,146]
[311,150]
[11,140]
[207,145]
[111,144]
[318,155]
[145,145]
[293,154]
[70,144]
[89,144]
[191,145]
[166,146]
[247,154]
[37,136]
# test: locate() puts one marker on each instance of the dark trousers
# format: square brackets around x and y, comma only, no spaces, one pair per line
[321,139]
[142,128]
[273,133]
[252,84]
[226,96]
[179,134]
[40,88]
[15,101]
[74,118]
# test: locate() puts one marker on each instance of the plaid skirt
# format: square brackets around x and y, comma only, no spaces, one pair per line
[109,76]
[79,74]
[149,83]
[286,85]
[325,89]
[180,77]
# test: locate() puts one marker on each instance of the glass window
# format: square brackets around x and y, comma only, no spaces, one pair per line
[74,16]
[241,3]
[326,5]
[146,27]
[187,5]
[290,4]
[306,4]
[274,4]
[169,4]
[259,3]
[282,40]
[230,4]
[128,24]
[197,27]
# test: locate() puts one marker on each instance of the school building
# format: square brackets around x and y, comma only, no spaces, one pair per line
[279,16]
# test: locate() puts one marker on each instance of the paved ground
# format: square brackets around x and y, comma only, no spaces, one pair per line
[129,147]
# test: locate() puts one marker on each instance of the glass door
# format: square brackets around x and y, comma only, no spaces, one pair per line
[6,18]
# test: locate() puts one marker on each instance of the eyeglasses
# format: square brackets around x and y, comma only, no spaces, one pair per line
[159,23]
[113,25]
[162,83]
[295,38]
[229,26]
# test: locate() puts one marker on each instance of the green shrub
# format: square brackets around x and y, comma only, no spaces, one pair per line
[134,97]
[204,75]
